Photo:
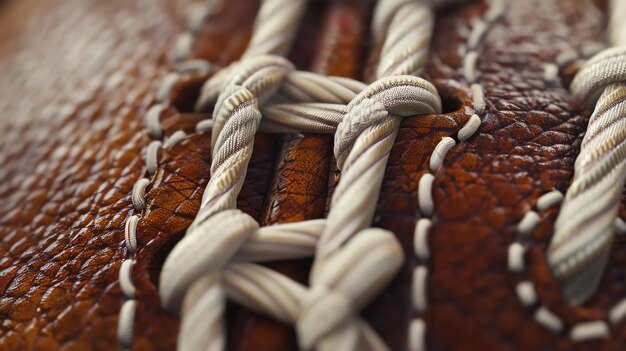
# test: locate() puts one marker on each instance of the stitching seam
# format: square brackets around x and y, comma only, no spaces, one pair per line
[417,327]
[525,290]
[182,48]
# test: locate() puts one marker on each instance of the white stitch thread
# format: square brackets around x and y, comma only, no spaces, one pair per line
[478,31]
[417,328]
[478,98]
[589,330]
[550,72]
[167,84]
[442,148]
[204,126]
[420,302]
[126,282]
[528,223]
[139,190]
[526,293]
[548,319]
[565,57]
[183,46]
[195,66]
[516,257]
[425,194]
[417,331]
[618,312]
[153,121]
[130,236]
[470,127]
[469,66]
[549,200]
[125,324]
[196,14]
[152,156]
[176,138]
[420,239]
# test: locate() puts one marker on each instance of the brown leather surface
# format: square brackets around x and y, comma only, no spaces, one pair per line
[76,80]
[526,147]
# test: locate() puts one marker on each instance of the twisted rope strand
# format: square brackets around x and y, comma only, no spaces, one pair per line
[362,145]
[275,29]
[370,145]
[405,50]
[363,142]
[303,117]
[584,229]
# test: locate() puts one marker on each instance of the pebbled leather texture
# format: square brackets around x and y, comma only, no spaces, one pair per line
[76,80]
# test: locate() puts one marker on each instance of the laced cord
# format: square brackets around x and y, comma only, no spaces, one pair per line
[237,115]
[353,262]
[275,29]
[363,142]
[585,226]
[235,121]
[405,48]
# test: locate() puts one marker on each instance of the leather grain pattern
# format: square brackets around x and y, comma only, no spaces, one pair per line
[524,148]
[76,80]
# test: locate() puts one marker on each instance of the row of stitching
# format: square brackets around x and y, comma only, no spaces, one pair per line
[525,289]
[196,15]
[168,83]
[583,230]
[426,205]
[182,48]
[566,57]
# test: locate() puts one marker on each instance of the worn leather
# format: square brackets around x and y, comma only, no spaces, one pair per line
[76,80]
